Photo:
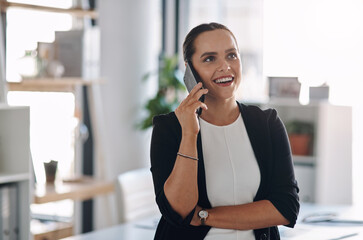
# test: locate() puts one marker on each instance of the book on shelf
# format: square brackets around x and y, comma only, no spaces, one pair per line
[9,228]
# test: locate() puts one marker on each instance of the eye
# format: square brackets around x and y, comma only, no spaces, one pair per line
[209,59]
[232,56]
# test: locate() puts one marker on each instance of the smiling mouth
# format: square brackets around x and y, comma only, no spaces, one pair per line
[224,80]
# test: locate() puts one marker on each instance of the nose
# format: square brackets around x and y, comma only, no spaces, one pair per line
[224,66]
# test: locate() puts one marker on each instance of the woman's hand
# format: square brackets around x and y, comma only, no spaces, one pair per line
[186,111]
[196,219]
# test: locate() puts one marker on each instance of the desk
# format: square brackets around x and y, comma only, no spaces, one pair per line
[328,230]
[82,189]
[144,230]
[139,230]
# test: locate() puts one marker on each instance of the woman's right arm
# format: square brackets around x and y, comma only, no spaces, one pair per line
[180,187]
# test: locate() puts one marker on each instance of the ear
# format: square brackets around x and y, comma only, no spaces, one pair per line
[185,64]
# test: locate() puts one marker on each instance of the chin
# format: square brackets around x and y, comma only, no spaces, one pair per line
[225,97]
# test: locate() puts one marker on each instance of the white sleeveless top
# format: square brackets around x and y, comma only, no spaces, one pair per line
[231,170]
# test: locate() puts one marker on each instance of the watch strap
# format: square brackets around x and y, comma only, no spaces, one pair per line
[202,221]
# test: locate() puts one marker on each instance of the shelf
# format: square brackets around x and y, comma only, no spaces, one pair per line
[6,107]
[8,178]
[51,84]
[308,161]
[286,102]
[50,230]
[85,188]
[78,12]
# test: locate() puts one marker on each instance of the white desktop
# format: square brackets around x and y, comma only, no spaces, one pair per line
[315,222]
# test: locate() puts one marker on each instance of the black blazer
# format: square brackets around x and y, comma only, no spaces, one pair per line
[272,150]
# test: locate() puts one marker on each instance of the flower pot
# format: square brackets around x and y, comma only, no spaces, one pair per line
[300,144]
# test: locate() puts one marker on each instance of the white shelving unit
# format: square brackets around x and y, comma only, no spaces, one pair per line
[326,176]
[15,160]
[73,84]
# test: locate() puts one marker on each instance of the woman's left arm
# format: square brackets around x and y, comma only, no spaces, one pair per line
[280,205]
[255,215]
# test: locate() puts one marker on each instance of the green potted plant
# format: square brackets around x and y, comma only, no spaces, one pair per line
[300,136]
[170,90]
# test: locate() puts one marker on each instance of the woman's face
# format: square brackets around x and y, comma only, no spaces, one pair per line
[218,63]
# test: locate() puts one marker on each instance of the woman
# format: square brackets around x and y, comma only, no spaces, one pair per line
[228,173]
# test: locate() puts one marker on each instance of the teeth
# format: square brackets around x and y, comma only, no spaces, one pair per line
[222,80]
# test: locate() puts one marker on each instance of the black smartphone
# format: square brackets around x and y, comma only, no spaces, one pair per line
[192,78]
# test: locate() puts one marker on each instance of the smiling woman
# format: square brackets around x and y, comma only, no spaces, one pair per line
[228,173]
[244,19]
[220,69]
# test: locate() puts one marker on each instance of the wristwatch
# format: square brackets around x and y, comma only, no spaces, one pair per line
[203,214]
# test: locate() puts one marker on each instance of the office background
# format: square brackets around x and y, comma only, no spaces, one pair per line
[316,41]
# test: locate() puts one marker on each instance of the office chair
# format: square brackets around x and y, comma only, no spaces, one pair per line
[135,195]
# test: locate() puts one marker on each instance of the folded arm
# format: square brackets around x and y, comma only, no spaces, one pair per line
[260,214]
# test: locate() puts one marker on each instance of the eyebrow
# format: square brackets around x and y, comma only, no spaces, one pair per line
[215,53]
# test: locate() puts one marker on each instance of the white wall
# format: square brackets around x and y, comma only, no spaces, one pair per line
[128,31]
[321,41]
[129,34]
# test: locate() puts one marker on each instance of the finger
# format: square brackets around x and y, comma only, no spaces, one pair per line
[198,104]
[195,89]
[192,98]
[200,93]
[182,102]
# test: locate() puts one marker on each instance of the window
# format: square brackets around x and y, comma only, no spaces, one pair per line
[25,28]
[309,41]
[52,129]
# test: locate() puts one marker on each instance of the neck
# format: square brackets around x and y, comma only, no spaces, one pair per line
[220,112]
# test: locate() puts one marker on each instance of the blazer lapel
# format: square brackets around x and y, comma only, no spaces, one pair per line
[256,129]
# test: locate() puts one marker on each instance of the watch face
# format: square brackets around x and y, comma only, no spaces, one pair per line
[203,214]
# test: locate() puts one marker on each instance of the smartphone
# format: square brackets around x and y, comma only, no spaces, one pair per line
[192,78]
